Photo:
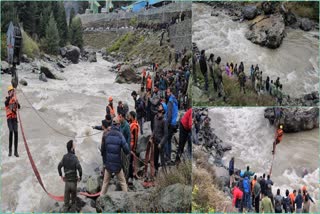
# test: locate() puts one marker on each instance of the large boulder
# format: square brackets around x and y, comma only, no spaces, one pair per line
[249,12]
[124,202]
[47,71]
[268,7]
[267,31]
[127,75]
[295,119]
[174,198]
[72,53]
[306,24]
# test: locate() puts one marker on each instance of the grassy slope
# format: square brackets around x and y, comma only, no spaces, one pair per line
[204,178]
[233,95]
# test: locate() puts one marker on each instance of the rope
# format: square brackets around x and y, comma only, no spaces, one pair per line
[36,171]
[55,130]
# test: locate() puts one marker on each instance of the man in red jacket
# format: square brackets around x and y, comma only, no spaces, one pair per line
[237,197]
[184,133]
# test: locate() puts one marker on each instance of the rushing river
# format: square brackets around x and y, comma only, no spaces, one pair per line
[295,62]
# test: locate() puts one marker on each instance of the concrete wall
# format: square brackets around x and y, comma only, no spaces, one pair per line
[180,34]
[157,15]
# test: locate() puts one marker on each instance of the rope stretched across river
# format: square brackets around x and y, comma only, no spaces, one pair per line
[55,130]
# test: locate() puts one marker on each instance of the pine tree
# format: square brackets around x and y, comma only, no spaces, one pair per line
[62,24]
[75,32]
[71,16]
[44,19]
[52,36]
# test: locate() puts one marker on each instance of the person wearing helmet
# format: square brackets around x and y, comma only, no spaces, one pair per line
[110,109]
[278,139]
[11,105]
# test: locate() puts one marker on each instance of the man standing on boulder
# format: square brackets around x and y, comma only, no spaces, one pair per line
[71,165]
[113,144]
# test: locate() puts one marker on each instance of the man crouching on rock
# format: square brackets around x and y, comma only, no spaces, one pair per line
[111,147]
[70,164]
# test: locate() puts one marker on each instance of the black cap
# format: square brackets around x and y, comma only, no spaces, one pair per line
[108,117]
[134,93]
[69,145]
[105,123]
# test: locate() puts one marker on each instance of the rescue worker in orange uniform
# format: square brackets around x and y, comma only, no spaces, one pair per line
[12,105]
[134,130]
[279,135]
[149,83]
[110,109]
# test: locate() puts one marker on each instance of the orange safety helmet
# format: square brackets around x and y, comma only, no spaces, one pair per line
[110,99]
[304,188]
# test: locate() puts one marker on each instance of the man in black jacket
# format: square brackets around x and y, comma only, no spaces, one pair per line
[204,68]
[70,164]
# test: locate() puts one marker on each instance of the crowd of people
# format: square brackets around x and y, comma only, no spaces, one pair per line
[163,93]
[260,86]
[254,194]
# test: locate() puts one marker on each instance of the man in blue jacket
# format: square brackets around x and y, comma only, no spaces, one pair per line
[172,120]
[111,148]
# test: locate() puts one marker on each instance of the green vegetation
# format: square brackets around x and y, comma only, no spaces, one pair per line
[206,196]
[133,21]
[29,47]
[121,41]
[34,16]
[75,32]
[52,37]
[233,95]
[178,174]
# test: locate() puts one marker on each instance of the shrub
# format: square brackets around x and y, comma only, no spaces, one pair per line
[29,47]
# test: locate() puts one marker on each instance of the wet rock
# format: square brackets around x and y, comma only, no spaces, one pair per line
[5,67]
[249,12]
[128,75]
[23,82]
[43,77]
[306,24]
[214,14]
[92,57]
[25,59]
[49,74]
[295,119]
[61,65]
[63,51]
[72,53]
[93,184]
[267,31]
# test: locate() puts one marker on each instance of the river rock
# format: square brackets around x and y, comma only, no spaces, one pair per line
[267,31]
[175,198]
[93,184]
[295,119]
[5,66]
[43,77]
[127,75]
[268,7]
[72,53]
[61,65]
[23,82]
[249,12]
[46,70]
[63,51]
[123,202]
[306,24]
[25,59]
[92,57]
